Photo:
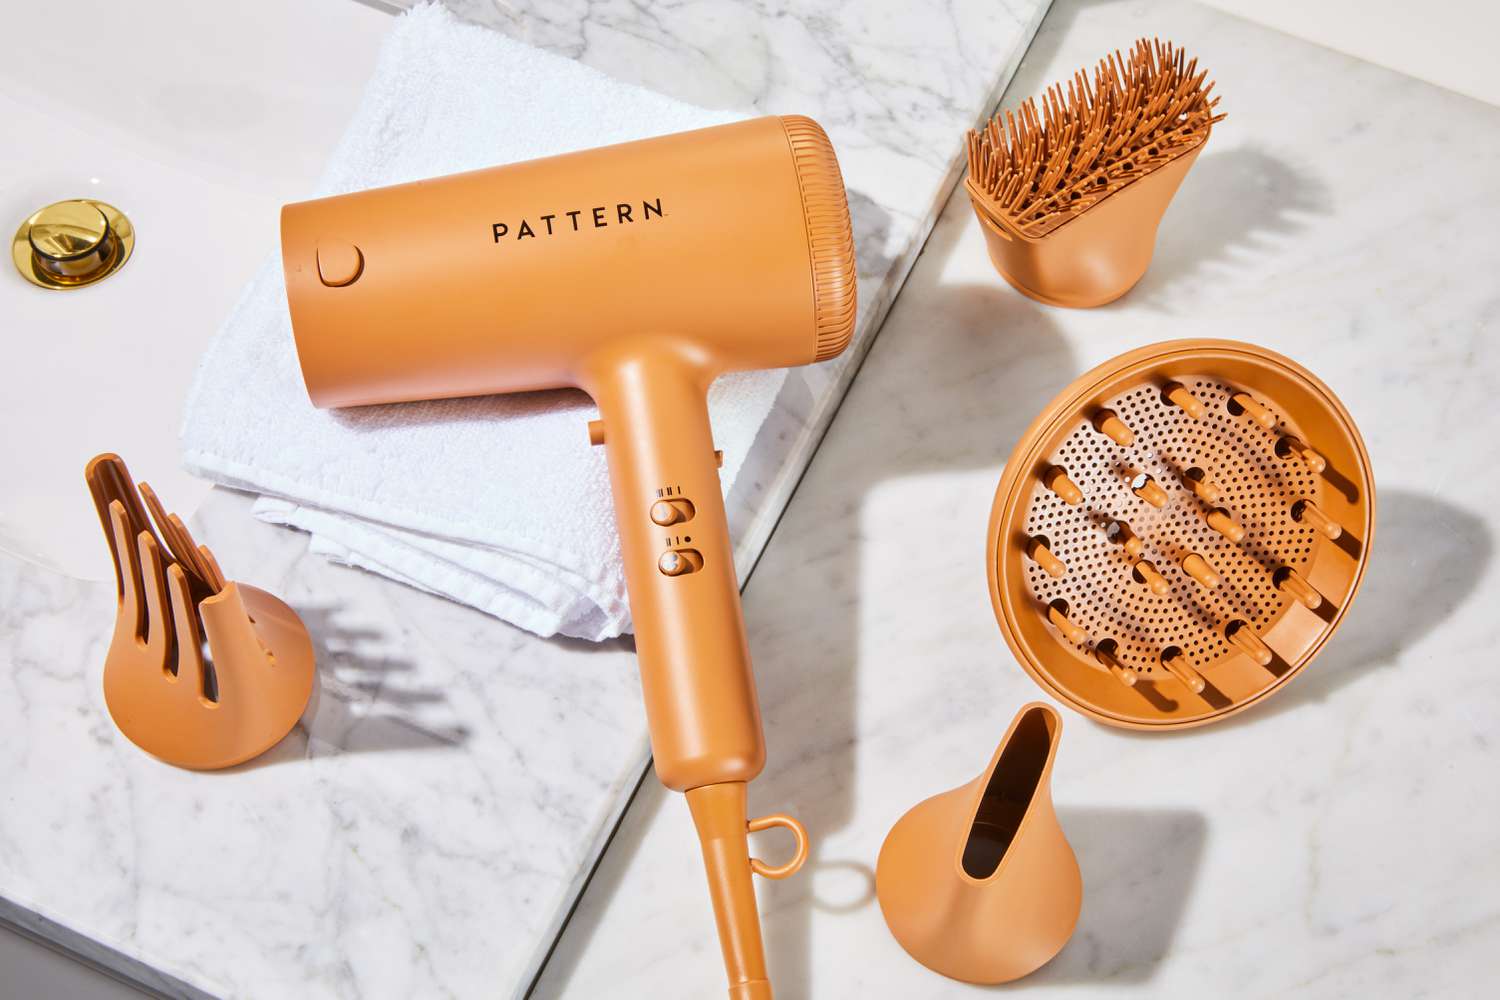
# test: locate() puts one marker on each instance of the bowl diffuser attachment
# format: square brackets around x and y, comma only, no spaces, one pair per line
[1069,195]
[1179,532]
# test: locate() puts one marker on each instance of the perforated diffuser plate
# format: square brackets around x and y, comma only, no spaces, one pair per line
[1179,532]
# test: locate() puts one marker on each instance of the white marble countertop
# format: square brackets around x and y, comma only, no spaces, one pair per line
[1344,838]
[426,828]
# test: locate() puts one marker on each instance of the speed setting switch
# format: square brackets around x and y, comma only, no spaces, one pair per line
[679,562]
[674,511]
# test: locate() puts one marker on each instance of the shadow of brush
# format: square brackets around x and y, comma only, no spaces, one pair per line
[1233,203]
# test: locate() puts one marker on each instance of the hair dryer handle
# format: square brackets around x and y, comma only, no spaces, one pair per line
[679,566]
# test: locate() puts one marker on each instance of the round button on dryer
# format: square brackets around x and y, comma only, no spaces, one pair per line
[673,564]
[339,263]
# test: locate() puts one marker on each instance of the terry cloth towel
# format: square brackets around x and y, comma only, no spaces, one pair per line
[496,502]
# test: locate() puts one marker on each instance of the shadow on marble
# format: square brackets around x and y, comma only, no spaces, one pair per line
[1429,557]
[359,703]
[1234,203]
[1138,870]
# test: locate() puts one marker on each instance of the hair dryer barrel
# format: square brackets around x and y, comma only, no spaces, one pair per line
[506,279]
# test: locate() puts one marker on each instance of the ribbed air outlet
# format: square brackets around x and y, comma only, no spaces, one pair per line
[830,238]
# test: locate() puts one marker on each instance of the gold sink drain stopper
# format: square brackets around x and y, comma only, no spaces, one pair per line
[1179,532]
[71,244]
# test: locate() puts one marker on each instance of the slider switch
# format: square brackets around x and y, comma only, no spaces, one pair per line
[665,512]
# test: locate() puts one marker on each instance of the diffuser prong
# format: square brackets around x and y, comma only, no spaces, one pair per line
[1288,446]
[1056,479]
[1220,520]
[1178,393]
[1240,634]
[1105,654]
[1108,423]
[1057,614]
[1251,406]
[1038,550]
[1201,570]
[1146,572]
[1149,490]
[1119,532]
[1176,664]
[1203,488]
[1304,511]
[1289,581]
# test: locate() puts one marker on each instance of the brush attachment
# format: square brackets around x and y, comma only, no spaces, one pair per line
[1179,532]
[1051,165]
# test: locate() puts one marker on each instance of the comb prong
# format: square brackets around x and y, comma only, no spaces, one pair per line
[160,638]
[1149,490]
[1119,532]
[190,673]
[127,570]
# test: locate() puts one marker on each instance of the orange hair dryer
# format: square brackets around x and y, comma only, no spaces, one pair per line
[638,273]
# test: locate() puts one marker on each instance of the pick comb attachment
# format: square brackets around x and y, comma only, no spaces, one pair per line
[164,694]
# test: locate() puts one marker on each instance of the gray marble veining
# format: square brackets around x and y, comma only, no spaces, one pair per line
[1337,841]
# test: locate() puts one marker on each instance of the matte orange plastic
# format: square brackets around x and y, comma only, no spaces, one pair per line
[1180,609]
[1069,196]
[173,603]
[979,883]
[638,273]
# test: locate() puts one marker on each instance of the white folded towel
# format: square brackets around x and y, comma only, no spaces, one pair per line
[495,502]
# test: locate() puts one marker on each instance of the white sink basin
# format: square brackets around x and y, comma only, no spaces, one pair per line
[198,120]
